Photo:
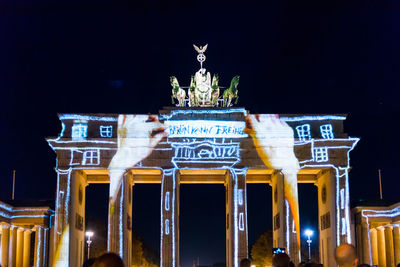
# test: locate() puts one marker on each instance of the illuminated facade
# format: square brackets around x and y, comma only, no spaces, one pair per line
[202,145]
[25,231]
[377,233]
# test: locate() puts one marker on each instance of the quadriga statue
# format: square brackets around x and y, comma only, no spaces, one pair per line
[177,92]
[215,90]
[232,92]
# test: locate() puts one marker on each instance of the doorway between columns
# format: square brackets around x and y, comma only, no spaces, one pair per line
[259,212]
[202,224]
[96,218]
[308,206]
[146,224]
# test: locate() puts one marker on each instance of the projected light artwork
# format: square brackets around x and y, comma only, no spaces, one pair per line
[201,144]
[207,140]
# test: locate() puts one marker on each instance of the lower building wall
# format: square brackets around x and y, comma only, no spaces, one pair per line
[378,235]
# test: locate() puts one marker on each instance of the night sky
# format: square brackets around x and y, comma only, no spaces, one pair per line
[117,56]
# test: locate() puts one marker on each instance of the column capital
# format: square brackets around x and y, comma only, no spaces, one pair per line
[28,231]
[84,175]
[36,227]
[4,225]
[129,175]
[373,230]
[388,226]
[20,229]
[380,228]
[242,171]
[325,171]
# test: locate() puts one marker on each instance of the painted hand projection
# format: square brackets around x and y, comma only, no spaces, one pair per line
[274,142]
[137,137]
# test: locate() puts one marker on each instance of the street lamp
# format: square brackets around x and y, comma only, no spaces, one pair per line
[89,234]
[309,233]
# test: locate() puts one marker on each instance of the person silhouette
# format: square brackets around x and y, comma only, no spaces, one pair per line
[108,260]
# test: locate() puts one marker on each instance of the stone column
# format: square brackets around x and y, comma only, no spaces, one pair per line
[278,211]
[5,236]
[374,246]
[381,247]
[328,217]
[284,230]
[120,221]
[12,249]
[366,247]
[389,246]
[396,241]
[293,247]
[76,218]
[20,247]
[51,243]
[62,214]
[27,249]
[169,256]
[46,247]
[360,242]
[236,216]
[343,206]
[39,247]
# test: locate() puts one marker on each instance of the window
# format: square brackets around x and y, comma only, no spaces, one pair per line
[321,154]
[167,227]
[326,131]
[241,221]
[240,196]
[342,198]
[106,131]
[343,226]
[166,201]
[91,157]
[79,131]
[303,132]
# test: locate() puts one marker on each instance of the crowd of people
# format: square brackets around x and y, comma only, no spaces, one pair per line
[345,256]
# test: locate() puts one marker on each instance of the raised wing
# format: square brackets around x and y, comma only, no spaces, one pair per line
[204,48]
[197,49]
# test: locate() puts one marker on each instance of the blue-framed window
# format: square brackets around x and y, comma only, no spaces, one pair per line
[304,132]
[321,154]
[91,157]
[79,131]
[326,131]
[106,131]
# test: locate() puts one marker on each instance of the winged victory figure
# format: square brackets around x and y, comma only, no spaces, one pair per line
[200,50]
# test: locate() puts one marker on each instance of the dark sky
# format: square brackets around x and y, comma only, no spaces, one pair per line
[117,56]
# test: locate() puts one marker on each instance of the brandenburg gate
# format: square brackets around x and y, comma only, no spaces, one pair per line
[202,140]
[182,145]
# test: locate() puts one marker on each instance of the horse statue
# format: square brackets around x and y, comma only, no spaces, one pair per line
[215,90]
[231,92]
[177,92]
[193,99]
